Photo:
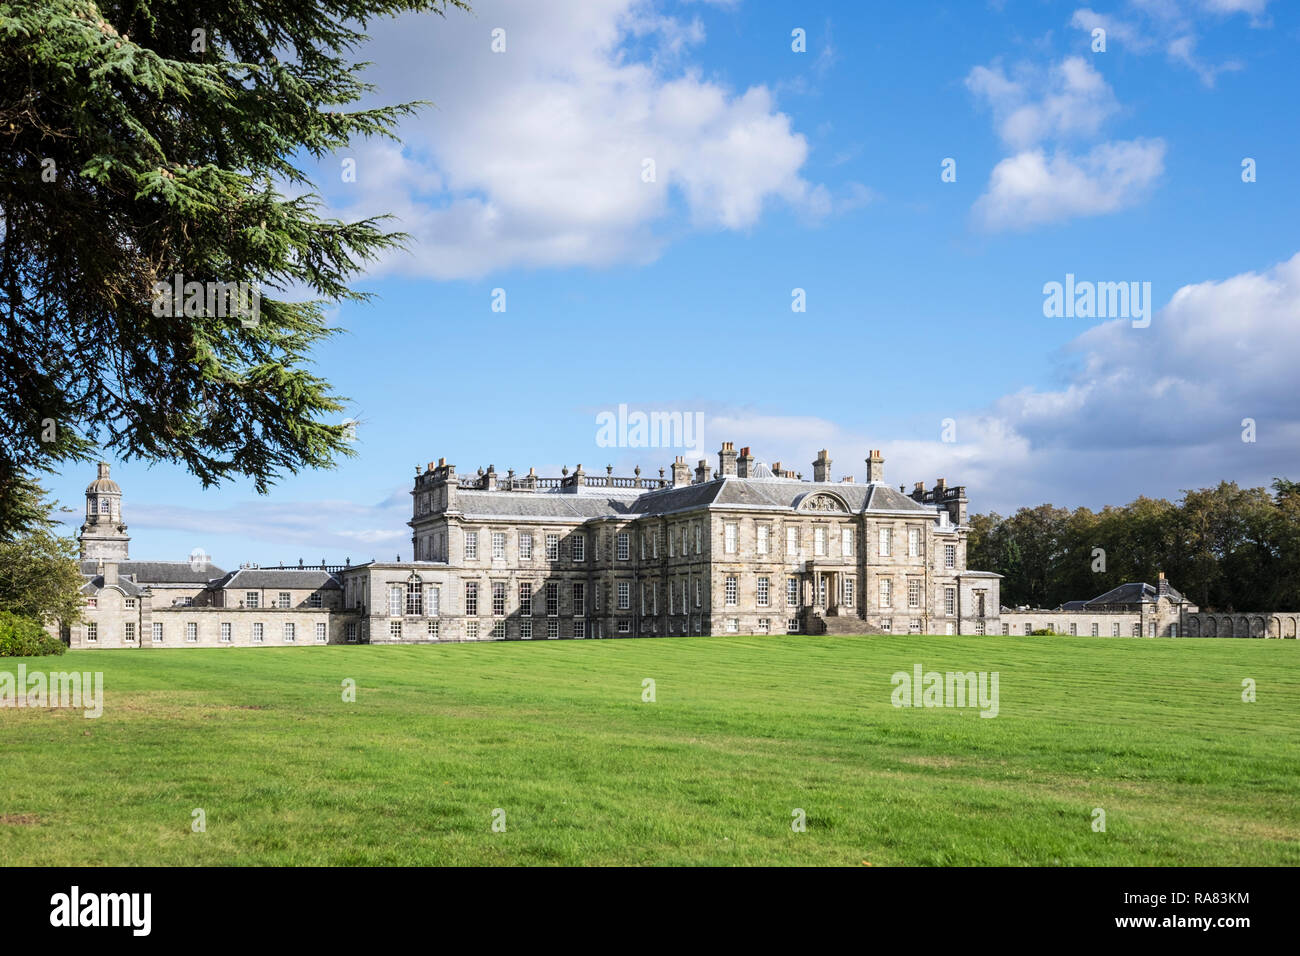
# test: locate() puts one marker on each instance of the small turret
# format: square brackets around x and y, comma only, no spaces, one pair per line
[104,536]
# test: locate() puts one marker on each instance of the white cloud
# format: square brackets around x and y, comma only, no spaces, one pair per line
[1037,185]
[354,528]
[1146,411]
[1183,50]
[1183,12]
[1169,400]
[534,156]
[1254,7]
[1076,100]
[1126,32]
[855,196]
[1149,411]
[1171,26]
[1031,188]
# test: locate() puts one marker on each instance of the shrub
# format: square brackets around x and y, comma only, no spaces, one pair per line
[23,637]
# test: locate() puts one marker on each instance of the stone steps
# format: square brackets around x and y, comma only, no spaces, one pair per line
[837,624]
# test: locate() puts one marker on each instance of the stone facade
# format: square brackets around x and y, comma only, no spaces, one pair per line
[1142,610]
[168,604]
[744,549]
[1086,623]
[750,549]
[1241,624]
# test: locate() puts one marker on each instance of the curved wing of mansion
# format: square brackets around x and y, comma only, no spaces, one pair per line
[746,549]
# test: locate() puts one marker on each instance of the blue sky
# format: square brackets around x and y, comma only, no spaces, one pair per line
[817,170]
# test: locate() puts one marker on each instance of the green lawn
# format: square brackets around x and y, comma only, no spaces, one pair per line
[744,731]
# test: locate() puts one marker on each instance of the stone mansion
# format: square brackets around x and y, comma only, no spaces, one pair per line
[748,549]
[741,549]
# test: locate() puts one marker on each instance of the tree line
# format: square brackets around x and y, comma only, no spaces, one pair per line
[1225,548]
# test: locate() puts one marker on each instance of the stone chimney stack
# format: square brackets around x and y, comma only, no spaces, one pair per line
[876,466]
[702,471]
[681,472]
[109,570]
[918,493]
[822,466]
[953,500]
[745,464]
[1162,586]
[442,486]
[727,460]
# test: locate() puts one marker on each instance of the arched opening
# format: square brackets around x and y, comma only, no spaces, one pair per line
[414,595]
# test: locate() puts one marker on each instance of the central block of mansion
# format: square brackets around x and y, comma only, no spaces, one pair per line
[746,549]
